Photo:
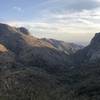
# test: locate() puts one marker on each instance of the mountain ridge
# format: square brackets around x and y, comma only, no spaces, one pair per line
[36,69]
[30,50]
[89,54]
[68,48]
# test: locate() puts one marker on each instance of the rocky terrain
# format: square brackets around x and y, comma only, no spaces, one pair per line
[91,53]
[30,50]
[47,69]
[68,48]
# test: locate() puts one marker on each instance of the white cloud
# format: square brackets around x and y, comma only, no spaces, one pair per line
[19,9]
[68,26]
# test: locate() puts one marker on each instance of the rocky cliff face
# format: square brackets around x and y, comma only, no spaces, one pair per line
[23,30]
[94,51]
[91,53]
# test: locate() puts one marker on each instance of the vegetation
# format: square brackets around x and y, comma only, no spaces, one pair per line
[37,84]
[32,69]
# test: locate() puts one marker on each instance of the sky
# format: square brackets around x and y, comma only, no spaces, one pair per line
[69,20]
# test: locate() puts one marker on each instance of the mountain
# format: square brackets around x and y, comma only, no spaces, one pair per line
[7,58]
[68,48]
[89,54]
[85,73]
[30,50]
[30,68]
[39,69]
[23,30]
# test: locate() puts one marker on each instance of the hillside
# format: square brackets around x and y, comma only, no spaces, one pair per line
[40,69]
[90,54]
[30,50]
[68,48]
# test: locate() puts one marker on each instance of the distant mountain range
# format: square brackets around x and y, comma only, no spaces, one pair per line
[68,48]
[47,69]
[34,51]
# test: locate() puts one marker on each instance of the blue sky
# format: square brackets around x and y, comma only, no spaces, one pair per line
[68,20]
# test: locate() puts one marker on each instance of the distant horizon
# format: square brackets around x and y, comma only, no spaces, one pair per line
[51,37]
[71,21]
[47,37]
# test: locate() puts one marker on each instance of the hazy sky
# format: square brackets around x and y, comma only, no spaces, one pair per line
[68,20]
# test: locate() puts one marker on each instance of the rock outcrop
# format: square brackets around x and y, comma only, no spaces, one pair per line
[90,54]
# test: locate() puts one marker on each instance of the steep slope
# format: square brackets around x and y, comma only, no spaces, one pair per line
[94,50]
[23,30]
[27,84]
[84,77]
[34,69]
[91,53]
[68,48]
[30,50]
[7,58]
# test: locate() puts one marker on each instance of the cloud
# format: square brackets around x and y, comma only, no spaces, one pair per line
[64,22]
[68,26]
[69,5]
[69,20]
[79,5]
[19,9]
